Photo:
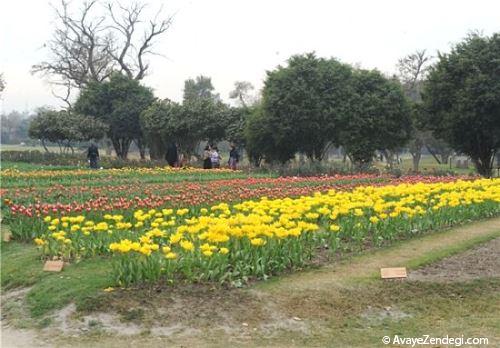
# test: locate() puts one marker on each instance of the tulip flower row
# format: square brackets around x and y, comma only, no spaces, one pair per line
[263,237]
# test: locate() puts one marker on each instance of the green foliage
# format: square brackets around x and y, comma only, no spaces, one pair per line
[260,143]
[315,102]
[201,117]
[200,88]
[462,97]
[118,103]
[63,127]
[302,104]
[204,119]
[378,117]
[236,121]
[160,124]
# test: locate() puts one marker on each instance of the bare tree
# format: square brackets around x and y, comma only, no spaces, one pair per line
[413,69]
[91,44]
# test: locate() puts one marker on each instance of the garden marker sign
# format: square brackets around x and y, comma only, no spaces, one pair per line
[53,266]
[394,272]
[7,236]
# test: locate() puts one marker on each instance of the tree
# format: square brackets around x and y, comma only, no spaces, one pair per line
[241,93]
[87,47]
[378,117]
[199,88]
[462,99]
[63,128]
[236,122]
[259,141]
[204,116]
[413,69]
[302,103]
[206,119]
[118,103]
[10,126]
[15,127]
[160,123]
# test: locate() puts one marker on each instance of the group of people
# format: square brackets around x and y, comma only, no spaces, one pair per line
[212,157]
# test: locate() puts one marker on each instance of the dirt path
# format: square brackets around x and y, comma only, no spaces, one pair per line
[310,308]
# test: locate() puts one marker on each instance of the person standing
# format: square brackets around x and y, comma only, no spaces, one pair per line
[172,155]
[93,155]
[215,157]
[234,158]
[207,160]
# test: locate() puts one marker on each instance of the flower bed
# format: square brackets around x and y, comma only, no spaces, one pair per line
[259,238]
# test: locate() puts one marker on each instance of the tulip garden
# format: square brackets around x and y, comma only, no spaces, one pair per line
[169,225]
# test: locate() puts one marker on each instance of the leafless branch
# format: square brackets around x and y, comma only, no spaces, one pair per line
[89,46]
[413,69]
[66,97]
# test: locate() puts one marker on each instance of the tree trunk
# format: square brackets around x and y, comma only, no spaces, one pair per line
[45,146]
[389,156]
[142,148]
[484,164]
[416,160]
[416,152]
[109,145]
[121,146]
[157,149]
[433,154]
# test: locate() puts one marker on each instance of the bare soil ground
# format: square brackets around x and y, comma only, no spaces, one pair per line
[342,304]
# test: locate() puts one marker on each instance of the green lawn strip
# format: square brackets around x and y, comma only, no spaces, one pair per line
[20,265]
[79,283]
[33,167]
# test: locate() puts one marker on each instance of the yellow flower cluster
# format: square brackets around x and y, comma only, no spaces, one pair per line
[15,173]
[256,231]
[263,220]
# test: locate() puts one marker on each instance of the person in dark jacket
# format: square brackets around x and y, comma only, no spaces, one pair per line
[93,155]
[172,156]
[207,161]
[234,158]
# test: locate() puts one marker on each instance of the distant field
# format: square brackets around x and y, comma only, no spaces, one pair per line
[55,149]
[5,147]
[428,163]
[32,166]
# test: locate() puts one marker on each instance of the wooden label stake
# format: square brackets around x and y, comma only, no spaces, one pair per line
[7,236]
[53,266]
[394,272]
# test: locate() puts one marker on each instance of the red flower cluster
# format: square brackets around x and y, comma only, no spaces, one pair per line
[63,200]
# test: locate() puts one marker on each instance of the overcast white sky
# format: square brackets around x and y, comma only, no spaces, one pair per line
[231,40]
